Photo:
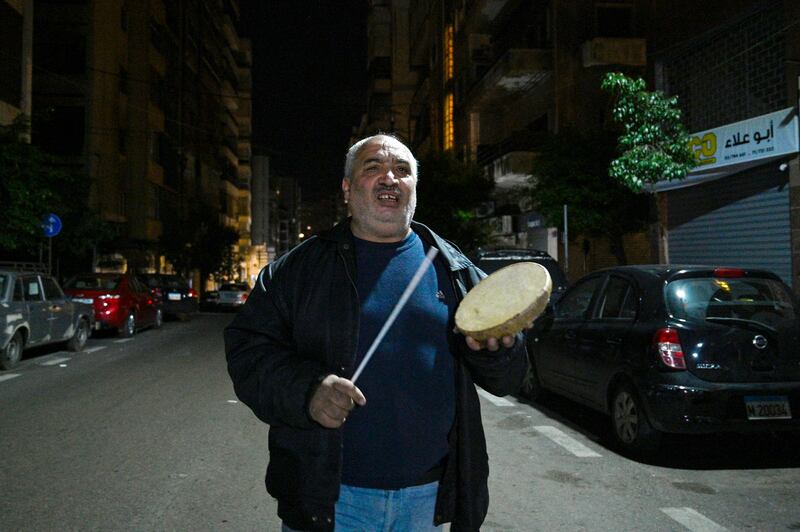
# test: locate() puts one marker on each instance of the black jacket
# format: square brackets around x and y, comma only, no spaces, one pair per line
[301,324]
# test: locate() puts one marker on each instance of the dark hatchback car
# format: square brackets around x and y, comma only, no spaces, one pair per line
[178,299]
[492,260]
[673,349]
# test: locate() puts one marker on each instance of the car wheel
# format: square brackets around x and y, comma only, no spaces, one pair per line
[11,355]
[78,339]
[531,386]
[159,319]
[129,326]
[630,427]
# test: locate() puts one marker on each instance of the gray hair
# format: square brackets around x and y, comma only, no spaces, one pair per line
[355,149]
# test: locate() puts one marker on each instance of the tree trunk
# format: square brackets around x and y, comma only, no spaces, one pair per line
[617,247]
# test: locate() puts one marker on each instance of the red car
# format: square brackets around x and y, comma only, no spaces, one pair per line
[120,301]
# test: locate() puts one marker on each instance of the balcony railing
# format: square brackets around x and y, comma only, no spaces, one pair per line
[517,71]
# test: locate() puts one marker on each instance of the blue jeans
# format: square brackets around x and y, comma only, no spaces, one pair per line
[372,510]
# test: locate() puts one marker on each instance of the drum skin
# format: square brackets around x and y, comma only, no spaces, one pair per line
[505,302]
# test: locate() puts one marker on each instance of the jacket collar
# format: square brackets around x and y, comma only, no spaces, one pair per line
[341,234]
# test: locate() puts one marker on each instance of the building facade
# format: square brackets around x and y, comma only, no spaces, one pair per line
[492,77]
[152,99]
[16,60]
[736,73]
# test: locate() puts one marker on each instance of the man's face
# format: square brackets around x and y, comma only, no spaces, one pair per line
[382,192]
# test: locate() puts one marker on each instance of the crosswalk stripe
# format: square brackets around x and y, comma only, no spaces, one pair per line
[8,376]
[693,520]
[54,361]
[567,442]
[498,401]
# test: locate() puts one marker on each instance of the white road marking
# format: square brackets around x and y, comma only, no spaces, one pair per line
[498,401]
[122,341]
[54,361]
[8,376]
[693,520]
[232,401]
[567,442]
[94,349]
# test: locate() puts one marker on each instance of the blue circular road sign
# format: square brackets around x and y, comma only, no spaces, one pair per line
[51,225]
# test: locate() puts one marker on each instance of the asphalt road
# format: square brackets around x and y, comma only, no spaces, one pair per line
[146,434]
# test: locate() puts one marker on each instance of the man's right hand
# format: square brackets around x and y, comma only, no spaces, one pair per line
[332,401]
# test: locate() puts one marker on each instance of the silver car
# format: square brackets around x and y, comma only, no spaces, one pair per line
[233,295]
[34,311]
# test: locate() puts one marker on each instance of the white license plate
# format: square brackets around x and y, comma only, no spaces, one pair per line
[83,300]
[172,296]
[767,407]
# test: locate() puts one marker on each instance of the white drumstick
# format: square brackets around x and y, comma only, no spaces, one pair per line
[397,308]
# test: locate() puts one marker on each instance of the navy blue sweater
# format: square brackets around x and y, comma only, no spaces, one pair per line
[401,433]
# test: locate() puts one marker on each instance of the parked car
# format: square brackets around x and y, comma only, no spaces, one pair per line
[209,300]
[178,299]
[35,311]
[492,260]
[673,349]
[233,295]
[120,301]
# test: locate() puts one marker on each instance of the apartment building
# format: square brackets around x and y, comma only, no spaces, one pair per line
[152,99]
[492,76]
[16,52]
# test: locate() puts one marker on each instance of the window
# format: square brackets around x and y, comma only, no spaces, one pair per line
[614,20]
[11,45]
[575,303]
[618,300]
[123,80]
[51,289]
[33,291]
[63,131]
[122,139]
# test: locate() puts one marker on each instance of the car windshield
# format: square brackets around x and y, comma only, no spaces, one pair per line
[167,281]
[93,282]
[235,287]
[743,299]
[492,264]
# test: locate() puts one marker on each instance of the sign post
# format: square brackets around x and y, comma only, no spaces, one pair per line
[51,226]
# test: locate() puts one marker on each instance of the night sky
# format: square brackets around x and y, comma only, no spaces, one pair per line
[309,85]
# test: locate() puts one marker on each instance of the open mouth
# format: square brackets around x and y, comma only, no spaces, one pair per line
[387,196]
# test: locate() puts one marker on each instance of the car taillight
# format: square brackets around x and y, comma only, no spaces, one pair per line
[668,344]
[192,292]
[243,297]
[729,272]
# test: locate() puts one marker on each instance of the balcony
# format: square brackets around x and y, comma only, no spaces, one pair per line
[614,51]
[517,71]
[512,169]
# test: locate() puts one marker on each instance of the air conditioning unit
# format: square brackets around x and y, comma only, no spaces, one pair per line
[485,209]
[501,225]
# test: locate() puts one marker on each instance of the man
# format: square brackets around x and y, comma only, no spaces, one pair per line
[404,449]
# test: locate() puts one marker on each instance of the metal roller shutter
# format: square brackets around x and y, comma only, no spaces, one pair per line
[739,220]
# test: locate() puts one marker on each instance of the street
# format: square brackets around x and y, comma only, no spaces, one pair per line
[147,434]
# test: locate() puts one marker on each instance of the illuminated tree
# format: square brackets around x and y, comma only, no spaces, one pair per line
[654,145]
